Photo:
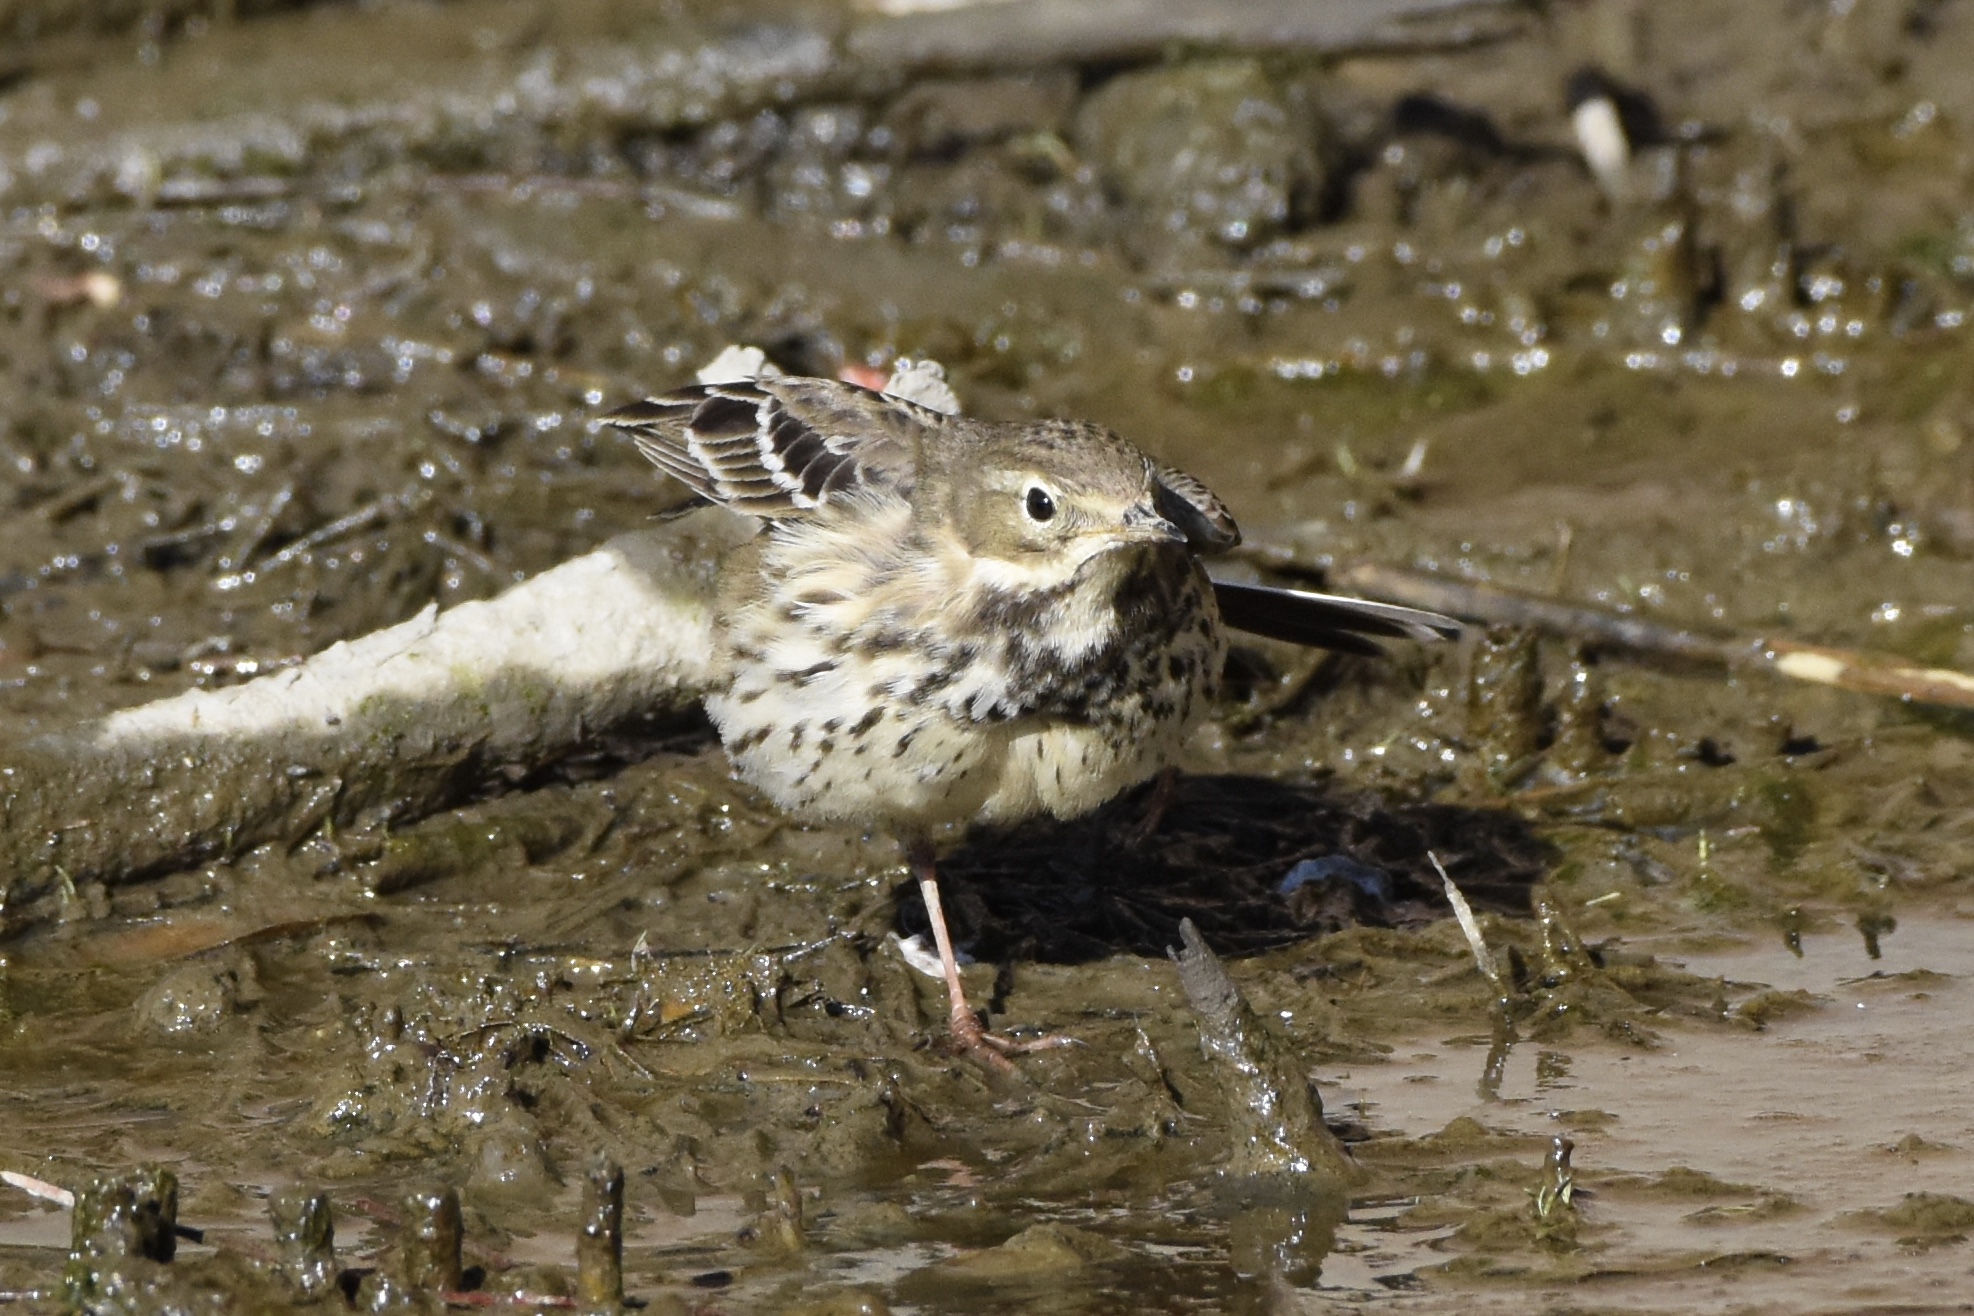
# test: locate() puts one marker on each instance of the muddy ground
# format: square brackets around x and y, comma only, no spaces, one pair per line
[304,313]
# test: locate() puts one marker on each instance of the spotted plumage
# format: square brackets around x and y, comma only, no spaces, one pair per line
[944,620]
[905,644]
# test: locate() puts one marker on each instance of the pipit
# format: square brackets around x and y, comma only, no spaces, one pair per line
[944,620]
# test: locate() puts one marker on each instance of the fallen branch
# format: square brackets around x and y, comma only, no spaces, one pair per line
[1016,33]
[1847,669]
[370,732]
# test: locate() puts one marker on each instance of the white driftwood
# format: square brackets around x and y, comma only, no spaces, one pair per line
[373,731]
[606,634]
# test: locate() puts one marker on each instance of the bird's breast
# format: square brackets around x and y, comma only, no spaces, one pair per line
[860,687]
[1137,637]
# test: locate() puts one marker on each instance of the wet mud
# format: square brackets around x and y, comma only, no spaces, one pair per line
[305,311]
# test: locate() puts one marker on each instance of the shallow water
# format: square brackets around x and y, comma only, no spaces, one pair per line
[303,319]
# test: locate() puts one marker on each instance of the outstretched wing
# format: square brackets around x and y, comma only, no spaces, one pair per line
[778,447]
[1190,505]
[1326,621]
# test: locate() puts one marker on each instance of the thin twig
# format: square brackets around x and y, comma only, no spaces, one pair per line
[1848,669]
[263,525]
[1559,570]
[466,553]
[220,191]
[40,1188]
[1047,32]
[362,518]
[696,205]
[1496,606]
[520,1298]
[1483,958]
[80,497]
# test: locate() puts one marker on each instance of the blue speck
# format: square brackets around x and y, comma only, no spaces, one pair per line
[1373,882]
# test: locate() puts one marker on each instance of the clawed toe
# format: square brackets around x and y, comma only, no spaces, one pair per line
[969,1036]
[994,1049]
[1021,1046]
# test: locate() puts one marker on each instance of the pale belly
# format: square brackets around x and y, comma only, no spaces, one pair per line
[880,734]
[830,754]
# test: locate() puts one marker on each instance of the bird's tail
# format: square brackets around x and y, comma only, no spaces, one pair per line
[1326,621]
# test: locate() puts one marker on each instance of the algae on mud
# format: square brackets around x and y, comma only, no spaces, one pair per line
[334,366]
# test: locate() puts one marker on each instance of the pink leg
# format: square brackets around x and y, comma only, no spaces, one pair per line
[962,1022]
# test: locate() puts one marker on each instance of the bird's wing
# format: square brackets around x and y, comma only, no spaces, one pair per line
[1190,505]
[778,447]
[1325,621]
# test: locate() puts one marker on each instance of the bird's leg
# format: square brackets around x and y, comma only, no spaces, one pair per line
[1164,787]
[962,1022]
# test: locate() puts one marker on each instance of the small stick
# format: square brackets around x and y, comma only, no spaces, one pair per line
[361,519]
[40,1188]
[1559,570]
[1483,958]
[217,191]
[1031,33]
[521,1298]
[1848,669]
[1497,606]
[256,534]
[466,553]
[80,497]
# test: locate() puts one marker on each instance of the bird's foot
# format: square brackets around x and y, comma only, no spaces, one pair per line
[993,1050]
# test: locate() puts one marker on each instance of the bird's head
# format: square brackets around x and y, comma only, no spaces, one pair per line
[1034,506]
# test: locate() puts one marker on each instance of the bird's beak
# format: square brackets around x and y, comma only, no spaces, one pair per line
[1143,525]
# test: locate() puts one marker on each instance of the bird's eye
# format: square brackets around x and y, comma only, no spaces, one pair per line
[1041,507]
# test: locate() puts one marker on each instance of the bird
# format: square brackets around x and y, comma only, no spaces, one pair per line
[946,620]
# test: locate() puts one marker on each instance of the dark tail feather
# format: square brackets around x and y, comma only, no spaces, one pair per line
[1326,621]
